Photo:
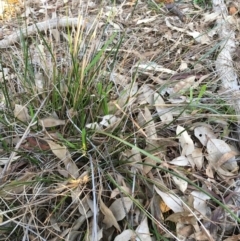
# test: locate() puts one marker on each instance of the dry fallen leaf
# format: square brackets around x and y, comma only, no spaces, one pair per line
[164,207]
[146,20]
[172,201]
[183,230]
[152,66]
[5,160]
[51,122]
[122,190]
[126,235]
[185,141]
[21,112]
[181,161]
[109,219]
[109,120]
[182,217]
[199,202]
[19,185]
[204,133]
[164,113]
[150,126]
[180,183]
[127,95]
[216,149]
[145,95]
[63,154]
[198,158]
[184,84]
[94,126]
[142,231]
[120,207]
[233,238]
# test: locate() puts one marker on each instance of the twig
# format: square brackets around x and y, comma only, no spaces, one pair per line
[42,26]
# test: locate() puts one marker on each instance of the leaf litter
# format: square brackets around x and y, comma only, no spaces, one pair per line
[165,99]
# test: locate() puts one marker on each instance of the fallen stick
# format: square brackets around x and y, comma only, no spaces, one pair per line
[42,26]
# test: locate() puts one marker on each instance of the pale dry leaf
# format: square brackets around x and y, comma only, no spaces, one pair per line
[5,160]
[146,20]
[93,126]
[183,66]
[183,231]
[28,11]
[148,164]
[199,202]
[201,38]
[126,235]
[185,141]
[172,201]
[210,17]
[19,185]
[56,35]
[109,219]
[99,235]
[76,225]
[210,172]
[136,159]
[227,161]
[51,122]
[198,158]
[58,150]
[54,224]
[232,238]
[184,84]
[224,173]
[172,27]
[119,79]
[216,149]
[63,154]
[141,119]
[201,236]
[92,205]
[150,125]
[127,95]
[120,207]
[204,134]
[191,161]
[137,215]
[152,66]
[122,189]
[4,74]
[180,183]
[2,7]
[62,171]
[75,194]
[83,206]
[109,120]
[142,231]
[115,25]
[1,216]
[38,55]
[145,95]
[183,217]
[163,112]
[39,82]
[178,100]
[21,113]
[181,161]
